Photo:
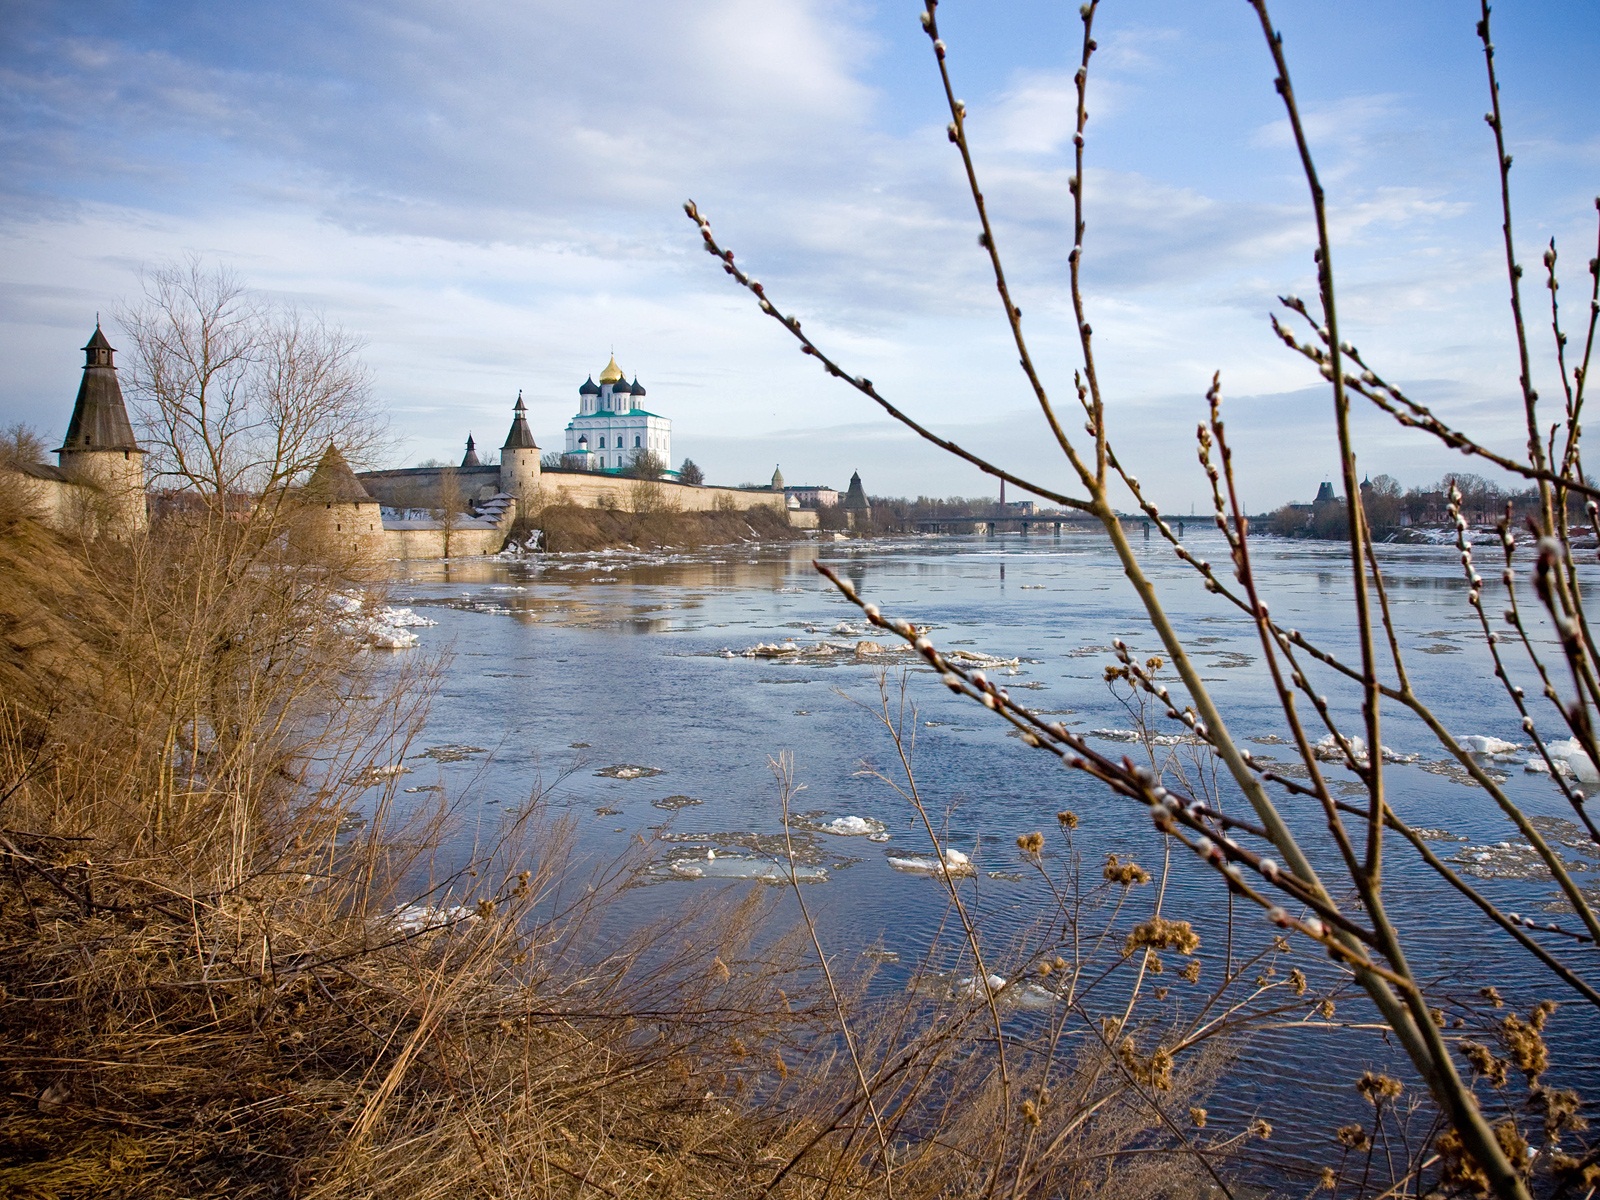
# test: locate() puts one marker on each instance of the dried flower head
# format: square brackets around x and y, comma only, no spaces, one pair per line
[1560,1110]
[1191,970]
[1352,1137]
[1159,933]
[1030,1112]
[1031,843]
[1485,1062]
[1377,1087]
[1154,1072]
[1297,982]
[1125,873]
[1492,996]
[1325,1009]
[1524,1044]
[1068,819]
[1260,1128]
[1198,1116]
[1513,1143]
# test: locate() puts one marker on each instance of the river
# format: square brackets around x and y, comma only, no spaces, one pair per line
[578,670]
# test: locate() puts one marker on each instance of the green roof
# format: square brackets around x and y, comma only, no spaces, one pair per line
[604,412]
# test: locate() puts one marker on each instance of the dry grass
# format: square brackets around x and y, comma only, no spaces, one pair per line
[572,528]
[205,989]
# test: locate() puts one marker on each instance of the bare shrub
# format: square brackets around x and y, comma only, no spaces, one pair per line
[1490,1141]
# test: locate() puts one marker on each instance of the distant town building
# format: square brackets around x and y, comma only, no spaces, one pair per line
[812,495]
[612,426]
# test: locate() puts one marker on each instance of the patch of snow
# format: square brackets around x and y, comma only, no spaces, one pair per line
[1479,743]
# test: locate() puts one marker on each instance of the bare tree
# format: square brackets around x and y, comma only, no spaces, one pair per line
[239,397]
[1490,1140]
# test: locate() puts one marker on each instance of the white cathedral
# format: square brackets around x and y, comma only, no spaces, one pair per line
[612,428]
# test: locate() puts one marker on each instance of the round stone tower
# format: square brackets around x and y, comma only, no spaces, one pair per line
[519,460]
[341,520]
[100,451]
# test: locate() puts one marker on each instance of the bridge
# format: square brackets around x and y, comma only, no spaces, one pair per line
[991,523]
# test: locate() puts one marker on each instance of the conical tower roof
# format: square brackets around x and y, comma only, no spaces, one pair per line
[470,458]
[99,418]
[333,482]
[520,437]
[777,479]
[856,497]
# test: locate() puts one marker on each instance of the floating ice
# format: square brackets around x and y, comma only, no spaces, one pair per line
[955,863]
[1571,752]
[404,618]
[967,986]
[419,918]
[728,866]
[1481,744]
[856,827]
[628,771]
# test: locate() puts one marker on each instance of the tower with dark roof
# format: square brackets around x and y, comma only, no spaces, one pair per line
[470,458]
[519,459]
[341,518]
[100,450]
[857,509]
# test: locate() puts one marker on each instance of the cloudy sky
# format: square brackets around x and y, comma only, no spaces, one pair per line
[489,195]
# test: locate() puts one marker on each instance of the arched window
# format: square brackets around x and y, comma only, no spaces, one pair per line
[602,443]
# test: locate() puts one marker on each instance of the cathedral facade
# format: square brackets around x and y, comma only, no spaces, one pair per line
[613,428]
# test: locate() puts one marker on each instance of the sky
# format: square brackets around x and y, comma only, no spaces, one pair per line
[489,196]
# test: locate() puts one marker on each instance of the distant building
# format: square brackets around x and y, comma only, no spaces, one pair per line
[612,426]
[1325,494]
[812,495]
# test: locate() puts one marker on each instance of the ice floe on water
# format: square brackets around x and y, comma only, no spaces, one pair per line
[865,827]
[628,771]
[955,863]
[674,803]
[708,864]
[1479,743]
[377,774]
[1155,739]
[1328,750]
[1570,753]
[451,752]
[1008,993]
[420,918]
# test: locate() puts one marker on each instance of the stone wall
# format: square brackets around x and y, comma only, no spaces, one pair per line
[418,487]
[415,542]
[591,490]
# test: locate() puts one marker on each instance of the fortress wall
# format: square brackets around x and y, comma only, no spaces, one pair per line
[418,487]
[410,545]
[586,490]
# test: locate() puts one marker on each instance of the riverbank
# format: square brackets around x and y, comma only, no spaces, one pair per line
[566,529]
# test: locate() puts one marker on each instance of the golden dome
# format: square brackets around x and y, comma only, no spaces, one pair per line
[612,373]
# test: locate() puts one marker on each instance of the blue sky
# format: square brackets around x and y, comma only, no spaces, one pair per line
[489,196]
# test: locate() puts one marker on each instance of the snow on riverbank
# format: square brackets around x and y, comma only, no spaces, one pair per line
[386,628]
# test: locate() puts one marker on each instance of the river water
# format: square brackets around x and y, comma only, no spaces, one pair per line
[581,669]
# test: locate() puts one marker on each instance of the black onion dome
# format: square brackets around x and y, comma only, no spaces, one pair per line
[589,387]
[638,388]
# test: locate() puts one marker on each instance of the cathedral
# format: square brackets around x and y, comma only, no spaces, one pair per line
[612,427]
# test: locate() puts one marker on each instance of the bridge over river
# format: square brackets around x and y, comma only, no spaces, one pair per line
[991,523]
